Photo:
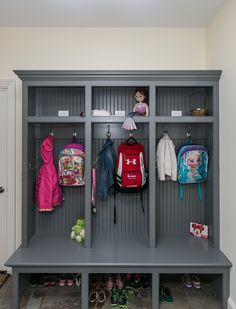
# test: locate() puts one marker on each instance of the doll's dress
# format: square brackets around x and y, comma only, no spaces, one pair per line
[140,109]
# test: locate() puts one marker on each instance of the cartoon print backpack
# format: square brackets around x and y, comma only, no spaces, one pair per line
[71,165]
[131,167]
[192,161]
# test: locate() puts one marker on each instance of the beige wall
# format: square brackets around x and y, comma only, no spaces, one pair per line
[221,53]
[91,48]
[101,48]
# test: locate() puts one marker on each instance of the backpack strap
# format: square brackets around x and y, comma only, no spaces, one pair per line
[141,198]
[114,218]
[181,189]
[181,192]
[189,140]
[200,191]
[94,184]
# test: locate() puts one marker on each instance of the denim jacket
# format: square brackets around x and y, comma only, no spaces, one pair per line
[106,170]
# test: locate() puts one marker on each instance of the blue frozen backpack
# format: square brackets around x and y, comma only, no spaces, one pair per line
[192,161]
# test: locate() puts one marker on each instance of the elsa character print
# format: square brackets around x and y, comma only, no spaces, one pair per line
[193,163]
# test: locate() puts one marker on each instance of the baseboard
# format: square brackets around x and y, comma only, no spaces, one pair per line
[231,304]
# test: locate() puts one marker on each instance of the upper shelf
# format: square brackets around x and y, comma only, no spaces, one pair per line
[188,119]
[116,119]
[55,119]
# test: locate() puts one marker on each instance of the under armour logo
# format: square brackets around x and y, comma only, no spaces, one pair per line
[128,161]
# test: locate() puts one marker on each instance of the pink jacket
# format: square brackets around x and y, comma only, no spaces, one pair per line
[48,191]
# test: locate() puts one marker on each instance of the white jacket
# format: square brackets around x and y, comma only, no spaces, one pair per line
[166,159]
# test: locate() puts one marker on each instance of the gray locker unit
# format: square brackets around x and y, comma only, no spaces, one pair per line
[157,241]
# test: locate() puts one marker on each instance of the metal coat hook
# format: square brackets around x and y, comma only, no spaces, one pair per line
[131,134]
[108,131]
[189,131]
[74,139]
[51,133]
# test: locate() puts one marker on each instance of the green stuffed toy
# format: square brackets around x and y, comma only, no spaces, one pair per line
[78,230]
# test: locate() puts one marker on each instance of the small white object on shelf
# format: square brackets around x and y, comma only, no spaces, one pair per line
[176,113]
[100,112]
[119,113]
[63,113]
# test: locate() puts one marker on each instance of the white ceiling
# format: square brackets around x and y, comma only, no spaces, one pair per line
[108,13]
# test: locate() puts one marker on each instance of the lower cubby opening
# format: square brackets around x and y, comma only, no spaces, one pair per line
[120,290]
[56,290]
[185,291]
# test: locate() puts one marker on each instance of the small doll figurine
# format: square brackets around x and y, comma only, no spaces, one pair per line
[141,106]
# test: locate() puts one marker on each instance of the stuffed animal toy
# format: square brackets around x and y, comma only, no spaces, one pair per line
[78,230]
[141,106]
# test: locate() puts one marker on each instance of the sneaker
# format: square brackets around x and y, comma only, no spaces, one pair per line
[78,280]
[196,282]
[162,298]
[119,282]
[167,294]
[122,299]
[127,277]
[62,280]
[110,283]
[102,297]
[70,280]
[114,297]
[187,281]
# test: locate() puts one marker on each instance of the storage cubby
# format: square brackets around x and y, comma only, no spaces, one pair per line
[209,296]
[154,242]
[46,290]
[178,99]
[173,214]
[47,101]
[131,223]
[64,216]
[115,289]
[113,98]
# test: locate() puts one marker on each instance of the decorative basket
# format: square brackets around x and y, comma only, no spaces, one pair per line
[202,110]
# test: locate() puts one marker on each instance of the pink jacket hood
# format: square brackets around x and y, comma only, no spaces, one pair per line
[48,191]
